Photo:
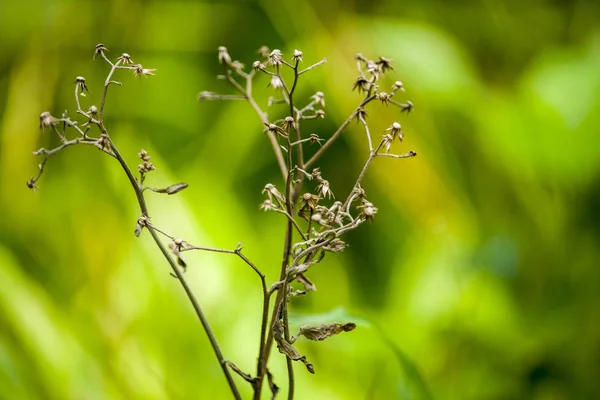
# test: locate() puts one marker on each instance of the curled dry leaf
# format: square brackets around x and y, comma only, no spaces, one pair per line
[322,332]
[287,349]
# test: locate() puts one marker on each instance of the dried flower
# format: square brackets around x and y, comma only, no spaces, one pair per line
[314,138]
[297,55]
[103,142]
[367,210]
[319,98]
[224,57]
[275,58]
[81,86]
[323,189]
[276,82]
[287,123]
[272,192]
[383,97]
[47,120]
[397,85]
[99,50]
[140,71]
[277,130]
[361,113]
[257,65]
[125,59]
[396,131]
[320,113]
[93,111]
[384,64]
[362,84]
[267,205]
[308,202]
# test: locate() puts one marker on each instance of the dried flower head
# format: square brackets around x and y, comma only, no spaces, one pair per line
[277,130]
[267,205]
[362,84]
[287,123]
[297,55]
[308,202]
[99,50]
[93,111]
[237,65]
[275,58]
[125,59]
[258,66]
[81,86]
[398,85]
[47,120]
[383,97]
[273,193]
[320,113]
[324,189]
[314,138]
[396,131]
[367,210]
[361,113]
[384,64]
[140,71]
[276,82]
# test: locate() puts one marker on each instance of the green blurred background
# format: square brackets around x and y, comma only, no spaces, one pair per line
[480,278]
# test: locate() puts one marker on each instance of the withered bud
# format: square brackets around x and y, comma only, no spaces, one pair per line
[387,141]
[224,57]
[143,155]
[277,130]
[208,96]
[47,120]
[267,205]
[93,111]
[308,202]
[103,142]
[320,113]
[361,113]
[322,332]
[272,192]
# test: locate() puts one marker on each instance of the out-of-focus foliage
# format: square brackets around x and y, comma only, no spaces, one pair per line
[479,278]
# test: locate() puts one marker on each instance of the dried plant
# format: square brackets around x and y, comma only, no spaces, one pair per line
[315,222]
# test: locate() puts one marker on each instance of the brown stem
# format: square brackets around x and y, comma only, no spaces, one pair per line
[144,209]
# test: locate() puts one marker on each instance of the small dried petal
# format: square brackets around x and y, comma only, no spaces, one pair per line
[276,82]
[100,49]
[47,120]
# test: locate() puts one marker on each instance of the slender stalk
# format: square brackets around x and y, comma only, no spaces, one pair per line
[337,133]
[201,316]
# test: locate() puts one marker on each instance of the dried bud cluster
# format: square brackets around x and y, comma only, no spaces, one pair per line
[146,166]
